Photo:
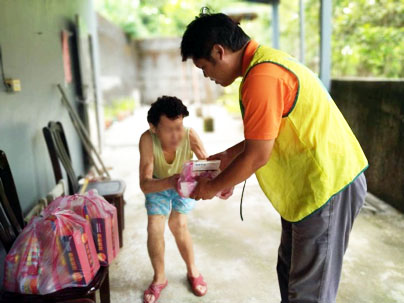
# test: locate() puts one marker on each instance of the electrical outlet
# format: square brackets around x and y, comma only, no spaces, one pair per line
[13,85]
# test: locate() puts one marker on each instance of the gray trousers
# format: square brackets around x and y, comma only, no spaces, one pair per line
[311,251]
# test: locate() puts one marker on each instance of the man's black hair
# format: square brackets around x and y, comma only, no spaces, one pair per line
[171,107]
[209,29]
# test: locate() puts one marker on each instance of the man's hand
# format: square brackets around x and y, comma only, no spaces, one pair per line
[256,153]
[203,190]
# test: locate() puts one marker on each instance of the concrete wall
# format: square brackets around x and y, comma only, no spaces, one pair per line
[146,69]
[375,111]
[118,58]
[30,38]
[162,72]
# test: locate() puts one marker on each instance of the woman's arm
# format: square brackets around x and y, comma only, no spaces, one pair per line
[197,145]
[147,183]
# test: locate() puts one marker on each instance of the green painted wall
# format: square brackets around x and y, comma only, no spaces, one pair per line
[30,39]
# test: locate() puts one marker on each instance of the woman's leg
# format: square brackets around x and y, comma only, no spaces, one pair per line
[178,226]
[156,245]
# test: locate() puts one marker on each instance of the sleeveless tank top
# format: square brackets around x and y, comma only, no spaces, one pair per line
[162,169]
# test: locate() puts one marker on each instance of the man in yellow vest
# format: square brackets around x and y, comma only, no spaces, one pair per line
[306,158]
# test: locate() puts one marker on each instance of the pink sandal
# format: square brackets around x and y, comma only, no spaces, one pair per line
[154,290]
[195,282]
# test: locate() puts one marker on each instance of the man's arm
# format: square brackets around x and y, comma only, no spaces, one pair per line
[268,92]
[255,155]
[227,156]
[147,183]
[197,145]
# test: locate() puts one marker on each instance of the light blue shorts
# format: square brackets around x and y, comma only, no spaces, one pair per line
[161,203]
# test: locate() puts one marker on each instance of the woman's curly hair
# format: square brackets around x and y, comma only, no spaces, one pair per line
[171,107]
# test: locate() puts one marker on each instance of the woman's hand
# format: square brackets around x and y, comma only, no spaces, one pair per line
[173,180]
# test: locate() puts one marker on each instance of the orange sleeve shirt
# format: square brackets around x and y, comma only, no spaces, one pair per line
[267,94]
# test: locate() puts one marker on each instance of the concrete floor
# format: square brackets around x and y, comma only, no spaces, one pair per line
[238,259]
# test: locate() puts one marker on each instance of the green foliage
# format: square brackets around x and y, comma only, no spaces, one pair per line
[157,18]
[230,99]
[368,35]
[368,38]
[119,106]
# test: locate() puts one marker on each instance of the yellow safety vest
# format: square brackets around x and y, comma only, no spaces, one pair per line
[316,155]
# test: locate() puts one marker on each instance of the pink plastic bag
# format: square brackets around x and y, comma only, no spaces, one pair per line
[189,178]
[52,252]
[103,219]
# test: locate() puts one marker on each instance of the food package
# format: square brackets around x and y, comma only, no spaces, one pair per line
[193,170]
[102,217]
[51,253]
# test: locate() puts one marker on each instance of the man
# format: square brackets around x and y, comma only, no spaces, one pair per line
[163,150]
[305,156]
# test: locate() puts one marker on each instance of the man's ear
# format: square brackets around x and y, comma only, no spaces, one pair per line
[152,128]
[217,52]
